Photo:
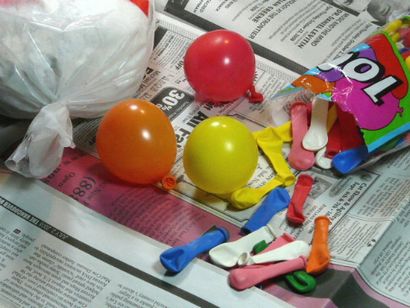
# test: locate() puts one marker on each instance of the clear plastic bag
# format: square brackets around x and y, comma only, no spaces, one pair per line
[68,59]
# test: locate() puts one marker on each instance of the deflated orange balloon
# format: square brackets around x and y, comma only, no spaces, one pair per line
[136,142]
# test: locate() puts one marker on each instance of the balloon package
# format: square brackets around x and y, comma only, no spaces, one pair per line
[353,110]
[68,59]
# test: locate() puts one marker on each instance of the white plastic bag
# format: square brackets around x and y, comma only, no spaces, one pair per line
[67,59]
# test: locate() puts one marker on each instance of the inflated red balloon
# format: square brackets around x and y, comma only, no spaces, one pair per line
[220,66]
[136,142]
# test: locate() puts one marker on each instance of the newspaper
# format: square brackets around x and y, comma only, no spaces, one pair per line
[53,255]
[369,209]
[362,206]
[297,34]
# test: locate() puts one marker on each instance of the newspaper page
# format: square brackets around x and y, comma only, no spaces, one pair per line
[369,214]
[296,34]
[361,207]
[161,216]
[173,221]
[378,11]
[387,266]
[53,255]
[357,224]
[146,209]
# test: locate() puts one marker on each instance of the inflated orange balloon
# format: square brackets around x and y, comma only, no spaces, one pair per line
[136,142]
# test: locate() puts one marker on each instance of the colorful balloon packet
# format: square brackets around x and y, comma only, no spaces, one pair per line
[370,84]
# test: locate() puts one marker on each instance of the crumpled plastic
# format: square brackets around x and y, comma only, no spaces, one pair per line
[61,60]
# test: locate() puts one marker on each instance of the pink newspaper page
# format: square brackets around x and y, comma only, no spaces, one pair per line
[164,217]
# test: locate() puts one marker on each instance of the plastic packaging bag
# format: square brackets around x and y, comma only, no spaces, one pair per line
[370,84]
[67,59]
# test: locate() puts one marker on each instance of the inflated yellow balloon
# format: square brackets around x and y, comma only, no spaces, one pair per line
[220,155]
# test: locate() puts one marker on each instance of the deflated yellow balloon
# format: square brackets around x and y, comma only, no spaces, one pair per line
[220,155]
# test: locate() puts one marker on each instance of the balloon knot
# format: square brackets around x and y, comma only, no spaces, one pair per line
[254,97]
[169,182]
